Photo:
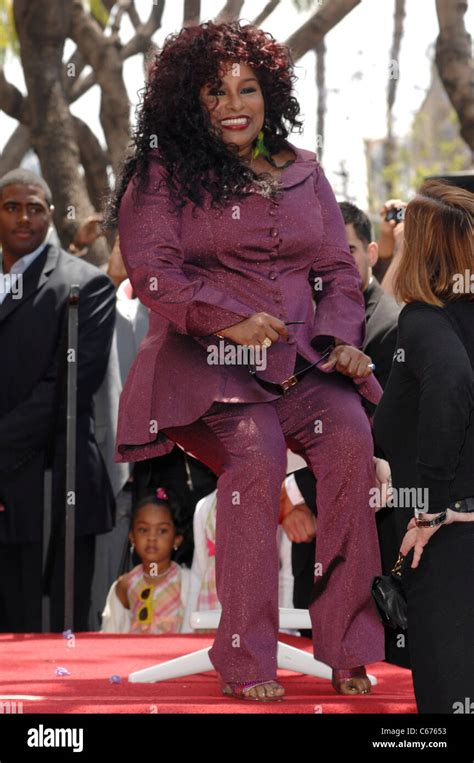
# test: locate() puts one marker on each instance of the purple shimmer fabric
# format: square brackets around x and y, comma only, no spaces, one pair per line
[322,419]
[202,272]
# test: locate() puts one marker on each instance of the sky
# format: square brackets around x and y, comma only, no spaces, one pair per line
[357,62]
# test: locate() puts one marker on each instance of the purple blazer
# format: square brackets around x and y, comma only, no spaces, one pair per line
[204,272]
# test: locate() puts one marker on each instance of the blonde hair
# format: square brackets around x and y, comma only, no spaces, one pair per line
[438,244]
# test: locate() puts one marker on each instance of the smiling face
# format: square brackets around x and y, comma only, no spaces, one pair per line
[236,107]
[24,219]
[154,534]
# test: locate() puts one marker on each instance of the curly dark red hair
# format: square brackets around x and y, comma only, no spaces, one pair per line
[172,114]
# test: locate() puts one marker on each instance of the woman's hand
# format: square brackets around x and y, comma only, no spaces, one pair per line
[349,361]
[254,330]
[383,482]
[418,537]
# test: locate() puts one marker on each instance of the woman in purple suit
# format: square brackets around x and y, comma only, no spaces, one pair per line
[226,229]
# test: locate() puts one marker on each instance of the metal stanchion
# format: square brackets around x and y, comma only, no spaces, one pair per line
[47,512]
[71,421]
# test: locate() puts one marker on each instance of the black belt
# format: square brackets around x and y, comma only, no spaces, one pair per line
[465,505]
[281,389]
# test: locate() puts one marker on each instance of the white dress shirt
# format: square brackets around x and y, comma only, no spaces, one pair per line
[293,491]
[9,281]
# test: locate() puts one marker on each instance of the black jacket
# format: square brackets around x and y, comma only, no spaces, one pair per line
[30,334]
[381,316]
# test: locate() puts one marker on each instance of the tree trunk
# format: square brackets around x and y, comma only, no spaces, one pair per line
[454,62]
[269,8]
[15,149]
[192,12]
[320,51]
[390,143]
[309,34]
[42,27]
[95,163]
[230,11]
[103,55]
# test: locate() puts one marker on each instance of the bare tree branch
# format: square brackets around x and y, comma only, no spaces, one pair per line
[141,45]
[455,65]
[192,12]
[95,162]
[320,51]
[133,15]
[230,11]
[15,149]
[73,69]
[12,101]
[399,17]
[390,143]
[309,34]
[269,8]
[42,28]
[102,54]
[142,38]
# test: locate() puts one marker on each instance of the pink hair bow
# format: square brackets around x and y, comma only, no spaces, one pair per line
[161,493]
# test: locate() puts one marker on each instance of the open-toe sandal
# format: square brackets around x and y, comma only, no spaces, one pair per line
[340,677]
[240,691]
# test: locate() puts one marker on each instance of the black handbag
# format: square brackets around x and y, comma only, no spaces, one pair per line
[389,597]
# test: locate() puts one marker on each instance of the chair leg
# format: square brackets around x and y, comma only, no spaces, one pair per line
[189,664]
[290,658]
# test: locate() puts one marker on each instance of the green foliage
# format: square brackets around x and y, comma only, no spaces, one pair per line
[98,11]
[8,36]
[432,147]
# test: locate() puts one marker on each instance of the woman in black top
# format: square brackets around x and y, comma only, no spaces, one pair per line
[425,427]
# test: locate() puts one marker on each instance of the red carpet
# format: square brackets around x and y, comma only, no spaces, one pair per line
[28,663]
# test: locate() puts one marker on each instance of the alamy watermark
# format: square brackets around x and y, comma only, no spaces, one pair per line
[237,355]
[399,498]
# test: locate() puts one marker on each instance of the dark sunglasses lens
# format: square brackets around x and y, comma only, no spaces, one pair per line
[143,614]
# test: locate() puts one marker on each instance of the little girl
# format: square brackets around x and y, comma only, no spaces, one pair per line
[153,596]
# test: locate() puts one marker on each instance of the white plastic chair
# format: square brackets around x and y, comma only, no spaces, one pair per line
[288,657]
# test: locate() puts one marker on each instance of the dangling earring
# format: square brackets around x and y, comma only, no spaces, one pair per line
[132,549]
[260,148]
[175,548]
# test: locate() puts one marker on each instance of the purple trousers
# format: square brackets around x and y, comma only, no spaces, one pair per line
[322,419]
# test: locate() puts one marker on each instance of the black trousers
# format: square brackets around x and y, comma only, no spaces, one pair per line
[441,621]
[21,586]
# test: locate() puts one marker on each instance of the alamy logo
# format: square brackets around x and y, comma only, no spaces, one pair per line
[464,707]
[46,737]
[237,355]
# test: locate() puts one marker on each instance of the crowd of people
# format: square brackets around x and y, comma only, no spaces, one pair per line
[229,235]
